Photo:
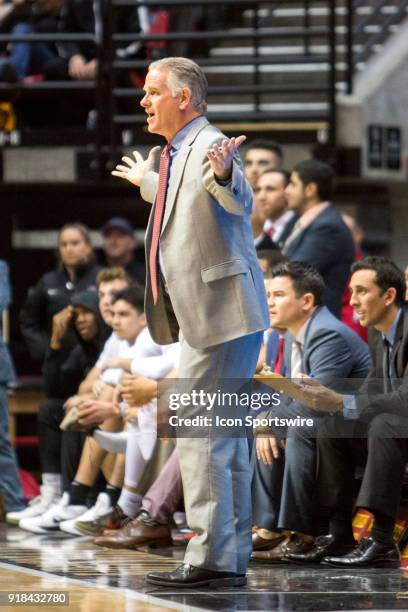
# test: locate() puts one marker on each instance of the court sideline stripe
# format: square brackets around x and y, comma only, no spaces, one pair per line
[124,592]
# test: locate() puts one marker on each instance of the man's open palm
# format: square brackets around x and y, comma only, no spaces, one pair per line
[221,156]
[136,168]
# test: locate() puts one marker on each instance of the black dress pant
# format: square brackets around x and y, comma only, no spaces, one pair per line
[284,493]
[60,452]
[49,417]
[378,445]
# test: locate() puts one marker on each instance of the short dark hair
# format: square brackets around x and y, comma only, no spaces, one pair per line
[269,145]
[314,171]
[133,294]
[273,257]
[284,173]
[387,274]
[305,279]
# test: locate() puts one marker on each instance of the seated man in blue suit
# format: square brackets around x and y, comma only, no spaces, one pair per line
[284,481]
[320,237]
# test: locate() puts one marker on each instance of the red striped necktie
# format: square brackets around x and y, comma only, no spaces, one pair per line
[270,232]
[158,220]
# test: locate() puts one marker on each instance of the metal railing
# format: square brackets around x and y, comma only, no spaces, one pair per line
[111,92]
[355,27]
[258,35]
[96,85]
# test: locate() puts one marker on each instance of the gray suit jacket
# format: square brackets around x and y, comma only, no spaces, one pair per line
[333,353]
[213,278]
[331,349]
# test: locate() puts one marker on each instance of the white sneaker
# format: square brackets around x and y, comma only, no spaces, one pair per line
[34,524]
[53,517]
[101,508]
[36,507]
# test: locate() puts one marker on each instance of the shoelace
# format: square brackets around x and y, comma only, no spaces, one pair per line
[147,519]
[363,545]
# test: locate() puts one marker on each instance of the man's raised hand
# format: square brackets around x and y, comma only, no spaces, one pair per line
[60,322]
[221,157]
[136,168]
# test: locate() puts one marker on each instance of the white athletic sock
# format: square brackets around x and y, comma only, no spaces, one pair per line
[130,502]
[110,441]
[54,481]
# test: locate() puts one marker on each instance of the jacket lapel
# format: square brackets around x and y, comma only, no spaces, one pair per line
[309,331]
[176,175]
[398,355]
[293,244]
[178,169]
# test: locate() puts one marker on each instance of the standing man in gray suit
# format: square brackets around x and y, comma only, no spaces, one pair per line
[203,280]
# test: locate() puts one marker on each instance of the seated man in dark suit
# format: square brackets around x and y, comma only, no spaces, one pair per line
[320,237]
[271,204]
[284,480]
[371,426]
[262,241]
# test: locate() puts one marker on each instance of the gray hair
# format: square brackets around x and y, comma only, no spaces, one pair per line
[184,72]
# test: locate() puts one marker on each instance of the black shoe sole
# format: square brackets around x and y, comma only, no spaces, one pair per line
[318,561]
[380,563]
[213,582]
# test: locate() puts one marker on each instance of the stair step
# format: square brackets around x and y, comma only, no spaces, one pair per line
[321,11]
[289,50]
[294,34]
[274,68]
[295,107]
[284,95]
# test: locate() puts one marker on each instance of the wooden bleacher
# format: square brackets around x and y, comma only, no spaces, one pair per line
[25,398]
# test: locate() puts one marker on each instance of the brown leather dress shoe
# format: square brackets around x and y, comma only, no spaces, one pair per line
[294,542]
[260,543]
[142,531]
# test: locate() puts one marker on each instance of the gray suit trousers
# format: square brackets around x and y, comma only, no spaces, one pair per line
[215,468]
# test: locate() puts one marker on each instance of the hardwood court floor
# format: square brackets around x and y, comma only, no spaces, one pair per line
[99,579]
